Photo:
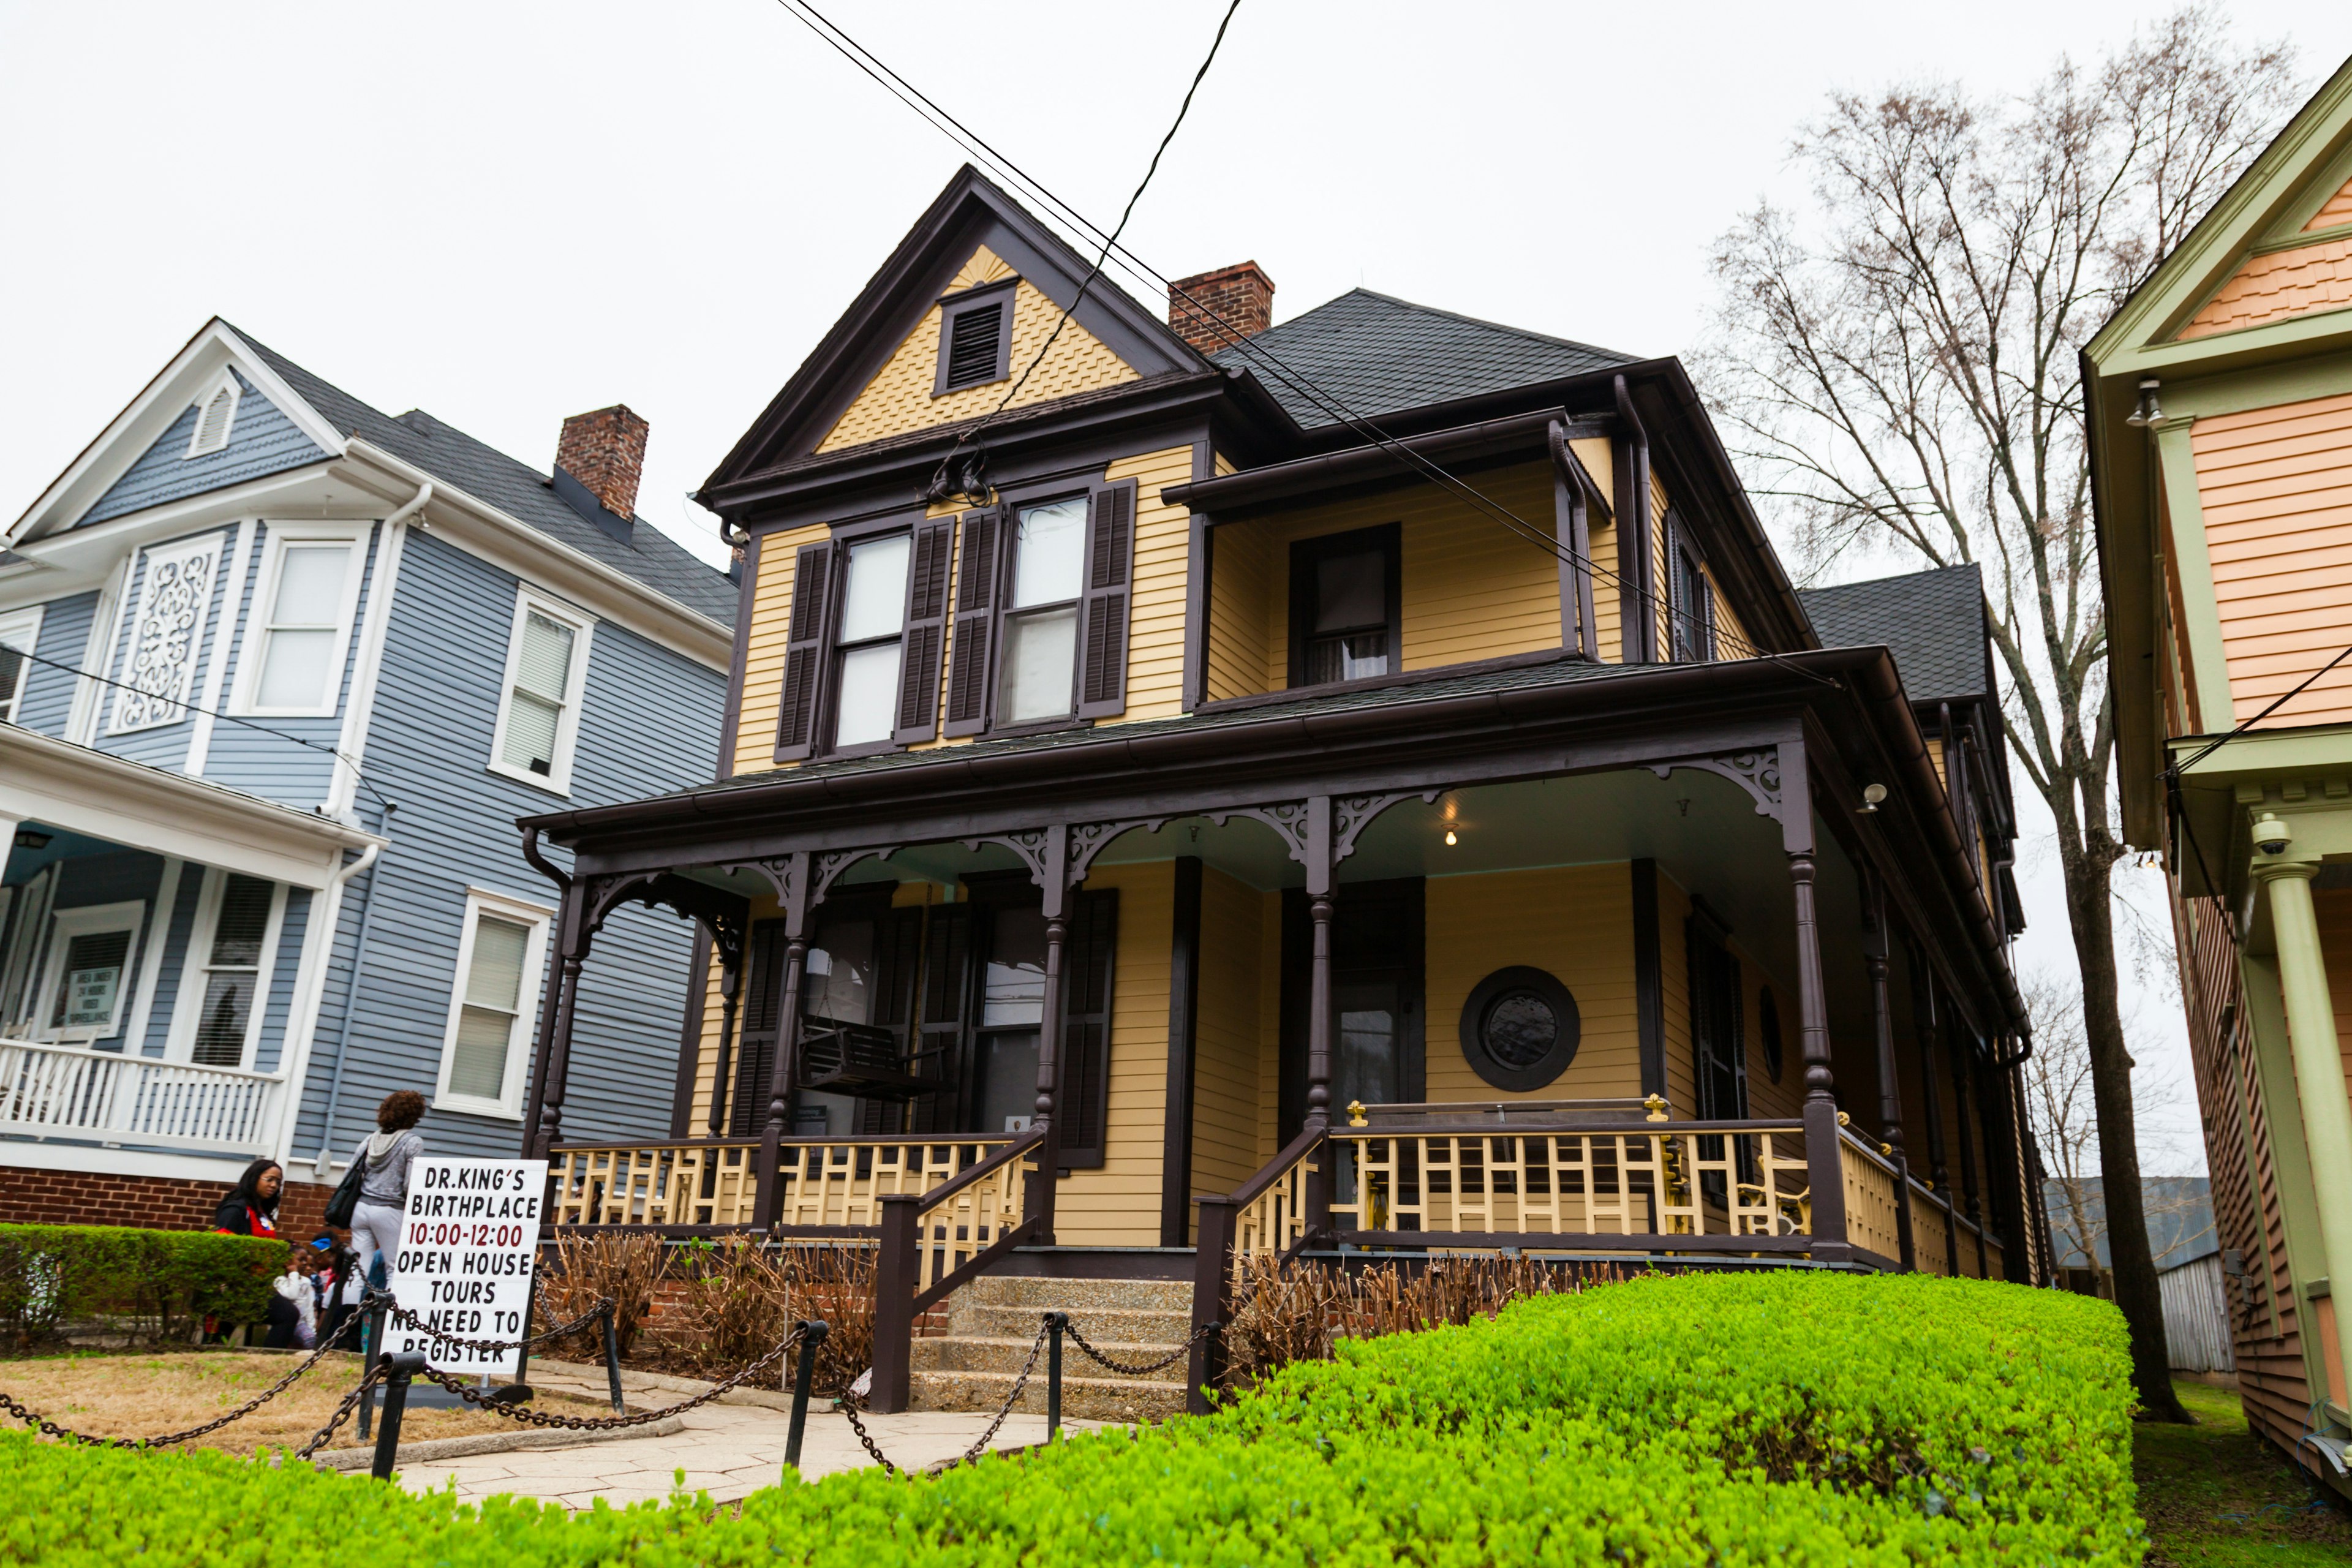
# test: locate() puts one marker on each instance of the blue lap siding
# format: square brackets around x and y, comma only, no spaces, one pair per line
[64,639]
[262,441]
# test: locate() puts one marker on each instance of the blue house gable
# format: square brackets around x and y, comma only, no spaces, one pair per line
[287,669]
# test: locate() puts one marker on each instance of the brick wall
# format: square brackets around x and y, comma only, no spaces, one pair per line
[156,1203]
[605,451]
[1241,295]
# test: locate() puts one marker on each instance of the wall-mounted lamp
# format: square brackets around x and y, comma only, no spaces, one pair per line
[32,838]
[2147,412]
[1871,796]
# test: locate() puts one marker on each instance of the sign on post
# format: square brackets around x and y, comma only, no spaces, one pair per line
[468,1242]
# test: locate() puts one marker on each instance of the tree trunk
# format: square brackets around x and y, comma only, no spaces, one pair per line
[2089,875]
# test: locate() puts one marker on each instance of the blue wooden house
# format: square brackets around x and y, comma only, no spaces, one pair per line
[278,674]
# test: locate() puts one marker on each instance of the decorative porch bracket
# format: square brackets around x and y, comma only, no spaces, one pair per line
[1757,772]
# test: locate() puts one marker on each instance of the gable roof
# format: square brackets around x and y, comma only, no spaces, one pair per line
[1379,354]
[515,488]
[1933,622]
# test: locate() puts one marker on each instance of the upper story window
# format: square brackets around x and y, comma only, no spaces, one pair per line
[1346,606]
[1039,661]
[1692,610]
[19,631]
[975,339]
[301,628]
[539,707]
[870,644]
[215,416]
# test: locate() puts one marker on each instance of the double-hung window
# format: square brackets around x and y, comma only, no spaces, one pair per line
[293,663]
[1345,599]
[499,956]
[538,709]
[869,646]
[1693,596]
[18,632]
[1038,667]
[236,921]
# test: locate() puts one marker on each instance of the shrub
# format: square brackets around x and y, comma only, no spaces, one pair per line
[732,1301]
[626,1270]
[1711,1419]
[157,1282]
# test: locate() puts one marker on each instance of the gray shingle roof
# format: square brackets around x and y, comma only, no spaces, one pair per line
[1382,355]
[1932,621]
[520,491]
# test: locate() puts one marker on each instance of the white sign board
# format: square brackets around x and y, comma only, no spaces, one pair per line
[468,1242]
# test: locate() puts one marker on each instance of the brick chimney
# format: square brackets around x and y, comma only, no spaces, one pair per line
[605,453]
[1242,295]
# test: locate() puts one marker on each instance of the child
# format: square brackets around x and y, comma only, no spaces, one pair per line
[293,1305]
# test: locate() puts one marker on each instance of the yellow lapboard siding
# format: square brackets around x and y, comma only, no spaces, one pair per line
[1155,644]
[898,399]
[1731,638]
[764,650]
[1765,1098]
[1269,1024]
[2279,284]
[2276,487]
[1237,614]
[1600,460]
[1227,1042]
[1662,590]
[1575,921]
[1118,1205]
[706,1061]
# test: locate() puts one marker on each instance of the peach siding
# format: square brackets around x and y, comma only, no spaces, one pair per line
[2338,210]
[898,399]
[1155,645]
[2276,486]
[2282,283]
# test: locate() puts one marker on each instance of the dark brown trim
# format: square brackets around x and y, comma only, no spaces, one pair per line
[1383,682]
[1308,476]
[1183,1030]
[1637,607]
[689,1036]
[1649,980]
[1541,1240]
[733,720]
[1388,538]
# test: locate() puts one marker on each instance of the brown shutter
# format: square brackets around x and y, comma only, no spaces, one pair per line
[804,653]
[1110,550]
[940,1027]
[755,1052]
[1086,1026]
[927,610]
[974,621]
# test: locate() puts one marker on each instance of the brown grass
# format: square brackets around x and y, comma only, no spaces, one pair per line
[141,1395]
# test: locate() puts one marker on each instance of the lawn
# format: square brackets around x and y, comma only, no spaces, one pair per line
[2216,1496]
[117,1395]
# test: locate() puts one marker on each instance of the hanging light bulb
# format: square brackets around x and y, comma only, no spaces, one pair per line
[1449,835]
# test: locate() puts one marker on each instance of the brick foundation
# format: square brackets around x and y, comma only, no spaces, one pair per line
[30,1197]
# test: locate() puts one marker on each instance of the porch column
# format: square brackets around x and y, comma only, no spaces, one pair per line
[731,992]
[1962,1064]
[1890,1090]
[787,1068]
[1825,1165]
[1038,1195]
[2318,1065]
[1320,882]
[555,1036]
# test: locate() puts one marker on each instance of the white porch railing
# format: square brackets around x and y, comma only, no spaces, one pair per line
[70,1091]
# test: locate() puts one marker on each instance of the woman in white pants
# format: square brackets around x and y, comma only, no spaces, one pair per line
[383,1191]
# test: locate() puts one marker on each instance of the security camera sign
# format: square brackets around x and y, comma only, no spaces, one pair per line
[468,1241]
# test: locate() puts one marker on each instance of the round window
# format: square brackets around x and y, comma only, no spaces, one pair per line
[1520,1028]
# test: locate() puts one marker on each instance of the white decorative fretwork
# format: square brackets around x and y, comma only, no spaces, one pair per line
[166,634]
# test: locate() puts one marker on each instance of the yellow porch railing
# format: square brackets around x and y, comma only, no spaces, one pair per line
[1931,1233]
[701,1182]
[1872,1198]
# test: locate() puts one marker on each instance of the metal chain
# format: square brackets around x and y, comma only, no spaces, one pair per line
[408,1320]
[48,1428]
[475,1396]
[980,1445]
[1170,1359]
[376,1375]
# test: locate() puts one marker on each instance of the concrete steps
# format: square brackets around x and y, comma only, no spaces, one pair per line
[992,1322]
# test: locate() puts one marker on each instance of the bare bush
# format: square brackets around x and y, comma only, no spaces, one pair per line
[626,1269]
[733,1300]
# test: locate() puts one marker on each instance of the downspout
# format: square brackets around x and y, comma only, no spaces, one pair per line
[359,963]
[414,504]
[1636,578]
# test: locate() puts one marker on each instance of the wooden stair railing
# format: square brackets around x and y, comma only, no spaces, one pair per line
[899,1294]
[1212,1263]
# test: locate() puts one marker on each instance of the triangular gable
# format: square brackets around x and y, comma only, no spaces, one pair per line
[134,463]
[883,329]
[899,398]
[2335,213]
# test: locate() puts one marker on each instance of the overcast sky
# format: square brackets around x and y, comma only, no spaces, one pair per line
[507,212]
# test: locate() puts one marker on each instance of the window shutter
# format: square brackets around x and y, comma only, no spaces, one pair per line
[1706,647]
[1110,550]
[927,610]
[947,945]
[755,1047]
[974,618]
[1086,1026]
[804,653]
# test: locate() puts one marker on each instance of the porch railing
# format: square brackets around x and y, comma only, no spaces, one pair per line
[1873,1197]
[72,1091]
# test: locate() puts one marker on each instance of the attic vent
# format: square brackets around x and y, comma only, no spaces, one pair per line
[213,424]
[975,346]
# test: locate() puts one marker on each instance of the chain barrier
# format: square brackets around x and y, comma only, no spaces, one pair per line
[410,1321]
[48,1428]
[376,1375]
[1147,1369]
[980,1445]
[476,1398]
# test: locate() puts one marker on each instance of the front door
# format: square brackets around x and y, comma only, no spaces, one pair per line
[1376,997]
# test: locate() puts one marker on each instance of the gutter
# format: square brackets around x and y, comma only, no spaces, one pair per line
[1277,481]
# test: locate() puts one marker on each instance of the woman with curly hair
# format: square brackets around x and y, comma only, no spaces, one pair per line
[384,1189]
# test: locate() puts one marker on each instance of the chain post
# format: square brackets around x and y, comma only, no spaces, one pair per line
[519,1389]
[371,1348]
[1055,1323]
[613,1358]
[395,1400]
[813,1333]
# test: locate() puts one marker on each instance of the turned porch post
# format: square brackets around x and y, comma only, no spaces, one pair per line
[1962,1061]
[1890,1089]
[786,1066]
[1321,868]
[1038,1195]
[1825,1166]
[573,936]
[731,992]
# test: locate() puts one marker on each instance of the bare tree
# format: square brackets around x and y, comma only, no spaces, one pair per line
[1897,366]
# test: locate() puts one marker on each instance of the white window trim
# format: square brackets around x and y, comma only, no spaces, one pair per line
[541,918]
[253,646]
[25,951]
[21,629]
[187,1004]
[64,926]
[558,779]
[224,382]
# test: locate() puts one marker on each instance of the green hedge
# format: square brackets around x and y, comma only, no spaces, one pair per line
[1723,1419]
[162,1280]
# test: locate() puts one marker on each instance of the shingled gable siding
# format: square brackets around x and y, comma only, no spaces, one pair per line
[274,762]
[261,442]
[65,636]
[649,723]
[167,745]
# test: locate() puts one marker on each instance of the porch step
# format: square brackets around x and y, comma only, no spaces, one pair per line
[1083,1399]
[993,1321]
[1101,1325]
[975,1353]
[1076,1295]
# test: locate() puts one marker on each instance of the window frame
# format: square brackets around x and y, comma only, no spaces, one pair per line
[253,641]
[1687,569]
[540,920]
[557,779]
[1305,555]
[224,382]
[129,916]
[1008,561]
[20,629]
[195,963]
[827,722]
[997,296]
